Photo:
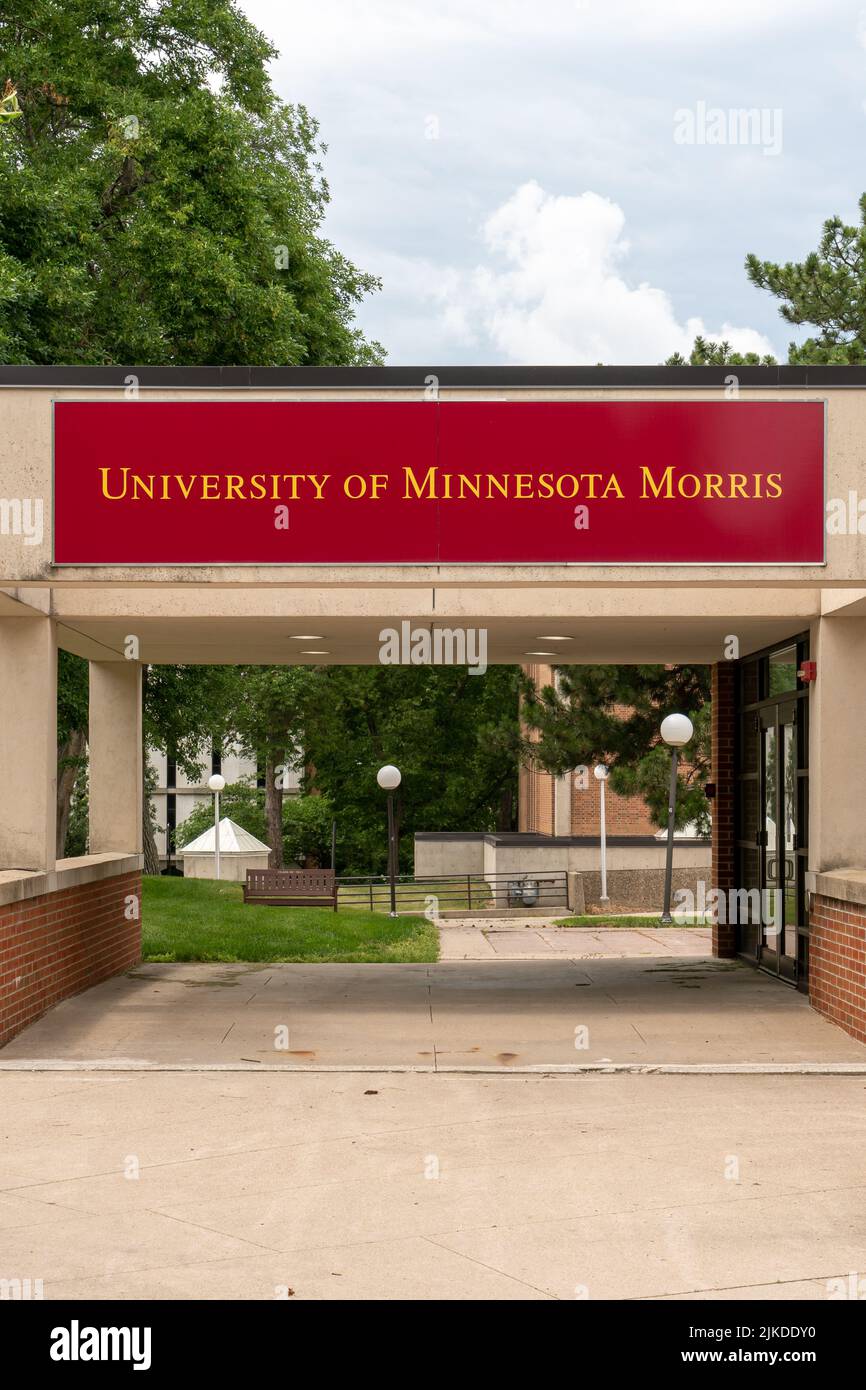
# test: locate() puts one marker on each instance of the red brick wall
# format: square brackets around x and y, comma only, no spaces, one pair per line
[625,815]
[724,849]
[535,792]
[837,962]
[61,943]
[536,788]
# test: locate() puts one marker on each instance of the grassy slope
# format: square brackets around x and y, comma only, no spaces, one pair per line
[199,919]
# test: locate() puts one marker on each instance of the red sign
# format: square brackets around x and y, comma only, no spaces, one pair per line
[418,482]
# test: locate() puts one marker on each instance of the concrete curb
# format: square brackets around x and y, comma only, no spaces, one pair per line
[536,1069]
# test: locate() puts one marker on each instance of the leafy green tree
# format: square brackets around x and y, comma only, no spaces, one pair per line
[612,714]
[454,736]
[827,289]
[72,701]
[185,711]
[706,353]
[158,202]
[266,710]
[306,822]
[78,827]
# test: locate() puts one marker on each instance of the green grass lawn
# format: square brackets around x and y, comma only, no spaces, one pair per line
[598,919]
[200,919]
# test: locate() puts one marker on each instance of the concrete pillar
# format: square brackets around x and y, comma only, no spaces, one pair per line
[576,893]
[724,850]
[837,745]
[115,757]
[28,744]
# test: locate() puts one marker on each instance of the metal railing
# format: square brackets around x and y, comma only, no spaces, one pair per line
[474,892]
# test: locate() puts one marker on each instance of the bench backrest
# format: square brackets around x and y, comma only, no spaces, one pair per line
[304,882]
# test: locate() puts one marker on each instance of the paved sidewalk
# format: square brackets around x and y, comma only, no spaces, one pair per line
[432,1187]
[480,938]
[639,1010]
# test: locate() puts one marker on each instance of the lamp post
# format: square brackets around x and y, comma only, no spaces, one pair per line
[216,783]
[601,776]
[389,779]
[676,730]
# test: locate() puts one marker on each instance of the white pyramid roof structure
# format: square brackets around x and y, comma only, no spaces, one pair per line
[233,840]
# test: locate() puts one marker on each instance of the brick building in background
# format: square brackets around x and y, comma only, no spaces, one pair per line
[559,832]
[549,805]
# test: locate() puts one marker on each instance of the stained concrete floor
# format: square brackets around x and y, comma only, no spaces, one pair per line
[265,1175]
[330,1187]
[503,1013]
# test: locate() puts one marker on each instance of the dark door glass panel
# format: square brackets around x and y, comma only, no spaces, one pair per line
[772,814]
[749,809]
[783,671]
[749,743]
[788,838]
[750,691]
[770,907]
[750,868]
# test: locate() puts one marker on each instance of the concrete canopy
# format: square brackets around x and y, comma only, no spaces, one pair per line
[296,624]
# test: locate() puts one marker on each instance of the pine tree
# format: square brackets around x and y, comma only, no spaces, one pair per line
[827,289]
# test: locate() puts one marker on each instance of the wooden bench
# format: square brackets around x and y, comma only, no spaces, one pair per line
[291,887]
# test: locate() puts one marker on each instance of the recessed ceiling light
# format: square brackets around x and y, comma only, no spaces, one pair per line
[309,653]
[545,637]
[307,636]
[539,653]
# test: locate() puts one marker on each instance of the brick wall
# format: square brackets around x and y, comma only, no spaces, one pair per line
[61,943]
[535,801]
[536,788]
[624,815]
[724,849]
[837,962]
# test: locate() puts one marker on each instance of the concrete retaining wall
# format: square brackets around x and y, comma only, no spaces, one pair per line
[635,867]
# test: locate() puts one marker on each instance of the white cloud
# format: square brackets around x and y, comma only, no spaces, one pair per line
[575,95]
[329,32]
[553,289]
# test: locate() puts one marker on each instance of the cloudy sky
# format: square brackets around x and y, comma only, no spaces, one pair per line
[569,181]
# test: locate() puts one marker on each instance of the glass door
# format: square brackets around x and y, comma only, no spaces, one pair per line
[779,915]
[772,775]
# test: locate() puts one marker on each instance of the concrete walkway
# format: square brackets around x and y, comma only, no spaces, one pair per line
[479,938]
[432,1187]
[561,1011]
